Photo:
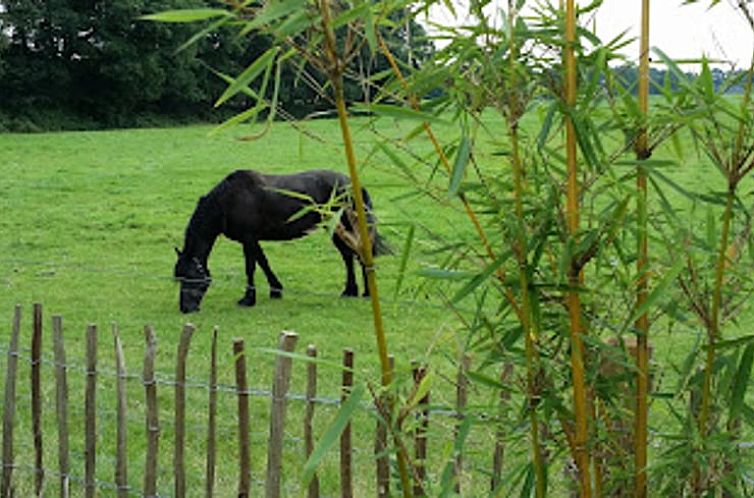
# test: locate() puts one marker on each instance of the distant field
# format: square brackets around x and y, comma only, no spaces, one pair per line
[89,222]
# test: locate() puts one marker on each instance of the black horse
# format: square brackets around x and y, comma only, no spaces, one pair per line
[248,207]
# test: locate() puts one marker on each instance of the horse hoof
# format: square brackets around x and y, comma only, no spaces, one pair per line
[350,293]
[366,294]
[276,293]
[247,301]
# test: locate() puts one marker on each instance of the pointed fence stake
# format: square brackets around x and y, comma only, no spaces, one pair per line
[152,420]
[61,404]
[179,470]
[244,446]
[90,413]
[6,491]
[280,384]
[311,395]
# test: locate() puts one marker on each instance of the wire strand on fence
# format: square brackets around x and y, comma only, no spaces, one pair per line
[164,379]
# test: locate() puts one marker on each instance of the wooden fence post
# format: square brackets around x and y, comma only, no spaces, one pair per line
[90,411]
[152,419]
[420,438]
[311,394]
[346,478]
[61,404]
[180,411]
[121,459]
[380,443]
[209,484]
[36,398]
[461,398]
[244,463]
[280,385]
[6,491]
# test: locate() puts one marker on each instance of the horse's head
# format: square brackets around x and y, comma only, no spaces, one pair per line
[194,278]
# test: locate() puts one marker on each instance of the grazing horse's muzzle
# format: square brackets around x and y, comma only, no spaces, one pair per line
[195,280]
[192,293]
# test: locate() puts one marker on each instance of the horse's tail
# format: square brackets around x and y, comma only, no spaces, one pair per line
[380,247]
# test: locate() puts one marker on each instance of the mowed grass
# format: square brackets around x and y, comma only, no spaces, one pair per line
[89,222]
[88,229]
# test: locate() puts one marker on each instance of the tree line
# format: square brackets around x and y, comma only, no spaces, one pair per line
[87,64]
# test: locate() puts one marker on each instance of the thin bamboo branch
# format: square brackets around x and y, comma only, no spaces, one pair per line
[575,277]
[530,332]
[642,267]
[470,213]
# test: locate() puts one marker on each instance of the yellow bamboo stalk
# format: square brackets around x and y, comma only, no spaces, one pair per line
[575,277]
[642,266]
[530,332]
[335,70]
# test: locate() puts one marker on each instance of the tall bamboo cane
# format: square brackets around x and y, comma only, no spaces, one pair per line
[576,276]
[335,73]
[642,266]
[529,329]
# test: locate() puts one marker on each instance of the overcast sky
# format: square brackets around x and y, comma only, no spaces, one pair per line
[681,31]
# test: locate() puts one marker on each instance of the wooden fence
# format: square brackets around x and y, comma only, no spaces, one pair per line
[88,485]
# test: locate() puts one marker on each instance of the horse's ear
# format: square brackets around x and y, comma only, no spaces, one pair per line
[178,251]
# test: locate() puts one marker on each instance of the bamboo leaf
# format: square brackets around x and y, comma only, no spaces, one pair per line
[239,118]
[201,34]
[248,75]
[404,259]
[447,481]
[295,24]
[706,82]
[390,153]
[487,381]
[370,31]
[398,112]
[741,382]
[544,131]
[481,277]
[186,15]
[459,166]
[443,274]
[333,432]
[658,291]
[273,11]
[731,343]
[349,15]
[421,391]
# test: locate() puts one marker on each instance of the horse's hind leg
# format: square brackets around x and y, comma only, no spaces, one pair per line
[250,296]
[366,283]
[276,288]
[347,254]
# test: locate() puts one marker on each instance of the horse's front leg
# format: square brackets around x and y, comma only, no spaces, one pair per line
[250,296]
[276,288]
[351,289]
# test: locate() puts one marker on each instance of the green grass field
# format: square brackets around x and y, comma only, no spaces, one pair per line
[89,221]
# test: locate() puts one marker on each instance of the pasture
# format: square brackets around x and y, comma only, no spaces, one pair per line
[91,220]
[88,228]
